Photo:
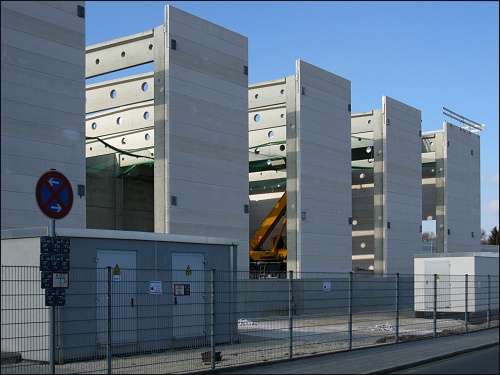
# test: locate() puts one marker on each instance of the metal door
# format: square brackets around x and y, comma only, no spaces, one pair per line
[442,270]
[188,289]
[123,296]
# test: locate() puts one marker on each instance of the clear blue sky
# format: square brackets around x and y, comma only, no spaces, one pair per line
[427,54]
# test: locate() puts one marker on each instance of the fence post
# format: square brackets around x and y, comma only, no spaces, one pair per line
[488,312]
[466,301]
[52,320]
[212,318]
[397,307]
[108,344]
[290,314]
[434,315]
[350,310]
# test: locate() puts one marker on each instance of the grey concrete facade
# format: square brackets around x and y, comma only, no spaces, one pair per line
[189,116]
[43,106]
[451,185]
[168,151]
[299,126]
[386,187]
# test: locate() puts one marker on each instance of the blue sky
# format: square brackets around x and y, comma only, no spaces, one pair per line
[427,54]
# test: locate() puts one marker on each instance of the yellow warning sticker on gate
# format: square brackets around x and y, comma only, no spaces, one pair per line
[117,273]
[188,271]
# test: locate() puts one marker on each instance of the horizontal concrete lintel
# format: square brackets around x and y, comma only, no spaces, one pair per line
[361,114]
[120,41]
[267,83]
[137,77]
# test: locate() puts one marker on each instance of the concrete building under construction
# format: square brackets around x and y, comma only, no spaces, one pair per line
[191,148]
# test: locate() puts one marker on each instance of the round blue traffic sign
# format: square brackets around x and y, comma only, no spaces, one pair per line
[54,195]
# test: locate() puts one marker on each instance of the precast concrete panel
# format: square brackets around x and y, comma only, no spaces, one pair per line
[205,129]
[120,54]
[119,92]
[43,90]
[323,170]
[462,224]
[402,187]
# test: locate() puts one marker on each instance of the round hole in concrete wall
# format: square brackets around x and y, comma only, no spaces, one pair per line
[150,47]
[97,61]
[270,134]
[146,115]
[257,151]
[256,118]
[369,121]
[112,94]
[282,115]
[94,126]
[119,120]
[123,141]
[282,147]
[256,96]
[147,137]
[282,91]
[144,86]
[123,53]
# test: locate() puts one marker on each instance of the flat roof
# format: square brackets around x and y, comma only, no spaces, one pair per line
[452,255]
[116,234]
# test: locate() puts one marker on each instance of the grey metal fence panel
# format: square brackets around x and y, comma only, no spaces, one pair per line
[177,321]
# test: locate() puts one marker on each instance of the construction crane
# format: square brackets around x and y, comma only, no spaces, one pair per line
[270,263]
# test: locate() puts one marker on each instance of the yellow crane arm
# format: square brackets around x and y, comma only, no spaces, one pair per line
[268,224]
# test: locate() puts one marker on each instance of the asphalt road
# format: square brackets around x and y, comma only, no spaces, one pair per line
[484,361]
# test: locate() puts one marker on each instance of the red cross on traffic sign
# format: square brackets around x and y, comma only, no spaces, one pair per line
[54,195]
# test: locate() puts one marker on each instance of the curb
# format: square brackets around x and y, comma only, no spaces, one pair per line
[429,360]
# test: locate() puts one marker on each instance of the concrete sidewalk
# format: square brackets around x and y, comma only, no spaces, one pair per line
[376,360]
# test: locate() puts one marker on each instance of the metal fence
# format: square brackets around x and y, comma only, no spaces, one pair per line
[179,321]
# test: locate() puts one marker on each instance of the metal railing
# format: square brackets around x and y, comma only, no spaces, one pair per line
[168,321]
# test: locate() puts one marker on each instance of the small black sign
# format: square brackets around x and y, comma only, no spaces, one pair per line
[45,245]
[55,262]
[55,297]
[46,262]
[46,279]
[54,245]
[65,263]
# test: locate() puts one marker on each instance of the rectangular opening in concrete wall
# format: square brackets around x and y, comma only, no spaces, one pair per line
[144,68]
[429,236]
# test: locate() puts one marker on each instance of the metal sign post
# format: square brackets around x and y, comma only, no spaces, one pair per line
[54,196]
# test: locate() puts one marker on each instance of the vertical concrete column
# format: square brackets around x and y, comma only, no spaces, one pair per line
[324,191]
[398,187]
[440,191]
[160,105]
[118,195]
[293,220]
[460,190]
[378,193]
